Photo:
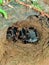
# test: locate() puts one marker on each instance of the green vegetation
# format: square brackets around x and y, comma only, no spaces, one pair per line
[1,2]
[36,5]
[3,13]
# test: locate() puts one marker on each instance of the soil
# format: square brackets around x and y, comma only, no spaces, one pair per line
[19,53]
[26,54]
[46,1]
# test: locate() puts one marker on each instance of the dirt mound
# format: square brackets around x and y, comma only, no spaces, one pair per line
[27,54]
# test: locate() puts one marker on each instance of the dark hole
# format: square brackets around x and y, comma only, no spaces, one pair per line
[22,33]
[15,29]
[36,16]
[31,1]
[31,27]
[47,19]
[9,28]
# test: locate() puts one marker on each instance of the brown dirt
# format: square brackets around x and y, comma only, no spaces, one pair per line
[46,1]
[26,54]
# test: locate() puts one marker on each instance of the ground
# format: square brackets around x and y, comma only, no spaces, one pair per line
[19,53]
[26,54]
[46,1]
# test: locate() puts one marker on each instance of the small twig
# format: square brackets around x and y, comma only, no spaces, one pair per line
[37,10]
[10,6]
[7,3]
